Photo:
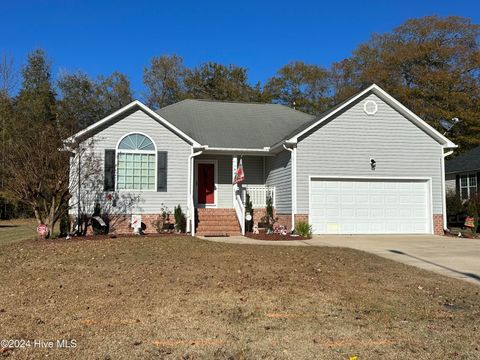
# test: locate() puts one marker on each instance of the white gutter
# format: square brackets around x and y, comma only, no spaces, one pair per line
[239,150]
[293,152]
[191,203]
[444,192]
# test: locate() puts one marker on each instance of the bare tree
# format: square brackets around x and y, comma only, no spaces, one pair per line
[8,76]
[39,167]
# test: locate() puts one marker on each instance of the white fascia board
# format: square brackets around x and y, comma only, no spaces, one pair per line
[133,104]
[446,143]
[264,151]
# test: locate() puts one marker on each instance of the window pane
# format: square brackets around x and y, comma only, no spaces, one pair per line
[463,180]
[136,171]
[464,193]
[472,179]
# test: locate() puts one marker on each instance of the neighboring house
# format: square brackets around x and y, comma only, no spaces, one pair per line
[367,166]
[462,174]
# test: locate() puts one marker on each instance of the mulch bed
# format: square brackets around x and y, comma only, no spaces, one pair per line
[274,237]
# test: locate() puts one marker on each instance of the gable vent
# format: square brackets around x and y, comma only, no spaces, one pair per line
[370,107]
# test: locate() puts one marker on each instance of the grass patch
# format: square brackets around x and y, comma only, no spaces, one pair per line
[183,297]
[17,230]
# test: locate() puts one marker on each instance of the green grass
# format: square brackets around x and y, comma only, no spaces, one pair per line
[16,230]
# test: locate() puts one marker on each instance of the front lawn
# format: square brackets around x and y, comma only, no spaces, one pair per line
[17,230]
[184,297]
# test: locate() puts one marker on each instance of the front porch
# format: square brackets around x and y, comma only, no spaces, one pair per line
[219,205]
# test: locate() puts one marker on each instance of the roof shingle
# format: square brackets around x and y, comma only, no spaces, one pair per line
[468,161]
[234,125]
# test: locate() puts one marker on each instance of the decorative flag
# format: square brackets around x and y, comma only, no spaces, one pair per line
[239,174]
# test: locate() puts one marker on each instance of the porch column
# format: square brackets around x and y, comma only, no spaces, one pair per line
[234,169]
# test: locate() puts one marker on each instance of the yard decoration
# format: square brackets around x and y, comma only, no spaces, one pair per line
[42,231]
[249,212]
[472,212]
[137,224]
[469,222]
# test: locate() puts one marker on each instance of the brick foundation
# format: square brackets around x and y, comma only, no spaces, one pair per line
[120,224]
[438,224]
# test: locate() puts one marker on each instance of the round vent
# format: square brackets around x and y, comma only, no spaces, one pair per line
[370,107]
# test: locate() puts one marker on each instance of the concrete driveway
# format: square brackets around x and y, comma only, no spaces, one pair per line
[450,256]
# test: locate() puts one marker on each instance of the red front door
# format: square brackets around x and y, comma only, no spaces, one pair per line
[206,184]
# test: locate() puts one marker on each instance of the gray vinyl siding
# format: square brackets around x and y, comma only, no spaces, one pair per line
[344,146]
[279,174]
[252,166]
[143,202]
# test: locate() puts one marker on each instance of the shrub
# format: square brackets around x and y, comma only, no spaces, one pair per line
[180,220]
[472,210]
[248,209]
[269,218]
[454,204]
[302,228]
[64,225]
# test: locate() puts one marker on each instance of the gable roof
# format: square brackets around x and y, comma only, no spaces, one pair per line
[223,124]
[467,161]
[85,133]
[382,94]
[249,126]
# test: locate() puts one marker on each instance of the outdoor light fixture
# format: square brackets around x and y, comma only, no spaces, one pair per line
[373,164]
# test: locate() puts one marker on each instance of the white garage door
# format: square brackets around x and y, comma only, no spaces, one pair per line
[356,206]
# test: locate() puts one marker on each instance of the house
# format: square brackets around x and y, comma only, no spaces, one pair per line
[367,166]
[462,174]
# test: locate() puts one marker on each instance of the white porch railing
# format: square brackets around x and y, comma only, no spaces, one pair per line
[258,195]
[240,210]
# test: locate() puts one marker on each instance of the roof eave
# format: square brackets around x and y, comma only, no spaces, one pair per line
[84,133]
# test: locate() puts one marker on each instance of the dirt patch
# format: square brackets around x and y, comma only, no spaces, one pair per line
[180,297]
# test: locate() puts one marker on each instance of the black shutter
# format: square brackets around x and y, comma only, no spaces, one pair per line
[109,168]
[478,182]
[162,171]
[457,185]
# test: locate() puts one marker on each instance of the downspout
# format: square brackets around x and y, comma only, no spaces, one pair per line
[191,204]
[444,192]
[293,152]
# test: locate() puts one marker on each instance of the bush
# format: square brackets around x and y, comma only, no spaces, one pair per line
[302,228]
[64,225]
[269,218]
[473,207]
[180,220]
[248,209]
[454,204]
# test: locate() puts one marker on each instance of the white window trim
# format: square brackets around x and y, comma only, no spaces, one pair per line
[215,171]
[120,151]
[467,175]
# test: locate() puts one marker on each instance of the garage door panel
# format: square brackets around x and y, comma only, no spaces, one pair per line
[370,207]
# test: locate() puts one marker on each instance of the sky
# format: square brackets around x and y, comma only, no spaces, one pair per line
[100,37]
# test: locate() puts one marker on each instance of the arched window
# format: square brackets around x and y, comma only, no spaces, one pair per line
[136,163]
